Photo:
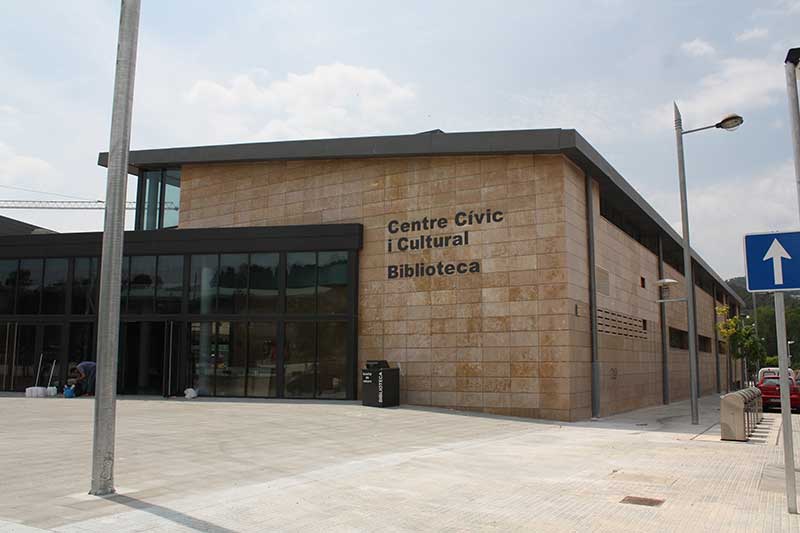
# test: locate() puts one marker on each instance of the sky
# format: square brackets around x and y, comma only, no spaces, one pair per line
[245,71]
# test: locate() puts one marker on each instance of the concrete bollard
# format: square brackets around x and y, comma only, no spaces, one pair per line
[739,413]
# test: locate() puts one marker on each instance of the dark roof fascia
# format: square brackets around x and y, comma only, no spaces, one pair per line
[544,141]
[470,143]
[313,237]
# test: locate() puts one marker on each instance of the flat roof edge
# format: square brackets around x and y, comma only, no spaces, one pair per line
[412,145]
[600,164]
[568,142]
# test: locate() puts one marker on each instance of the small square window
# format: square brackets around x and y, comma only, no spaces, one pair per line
[642,282]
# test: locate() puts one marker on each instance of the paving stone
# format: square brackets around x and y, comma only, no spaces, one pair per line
[313,466]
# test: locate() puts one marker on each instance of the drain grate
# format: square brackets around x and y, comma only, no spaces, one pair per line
[639,500]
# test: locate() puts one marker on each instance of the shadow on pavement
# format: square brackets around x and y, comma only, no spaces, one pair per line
[168,514]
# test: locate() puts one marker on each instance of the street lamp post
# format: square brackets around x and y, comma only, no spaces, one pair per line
[730,123]
[105,405]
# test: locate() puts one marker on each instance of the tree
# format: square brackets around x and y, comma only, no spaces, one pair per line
[743,342]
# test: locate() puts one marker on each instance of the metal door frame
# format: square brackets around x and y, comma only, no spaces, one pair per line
[168,359]
[9,373]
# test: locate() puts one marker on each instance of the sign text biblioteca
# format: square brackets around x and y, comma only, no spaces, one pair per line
[400,241]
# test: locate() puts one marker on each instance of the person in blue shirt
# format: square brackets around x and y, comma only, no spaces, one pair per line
[84,375]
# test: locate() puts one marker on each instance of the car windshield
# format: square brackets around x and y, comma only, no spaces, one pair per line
[774,380]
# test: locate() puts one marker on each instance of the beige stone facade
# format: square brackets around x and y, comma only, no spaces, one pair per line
[513,338]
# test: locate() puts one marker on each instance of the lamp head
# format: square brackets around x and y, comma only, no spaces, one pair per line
[666,282]
[730,122]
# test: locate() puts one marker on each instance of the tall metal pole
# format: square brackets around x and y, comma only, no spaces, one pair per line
[111,265]
[790,67]
[786,409]
[687,271]
[755,314]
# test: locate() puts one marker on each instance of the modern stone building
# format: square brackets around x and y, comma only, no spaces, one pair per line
[464,259]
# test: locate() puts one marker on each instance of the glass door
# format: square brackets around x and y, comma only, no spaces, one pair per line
[234,359]
[8,336]
[50,353]
[262,360]
[32,354]
[300,360]
[143,357]
[172,346]
[23,358]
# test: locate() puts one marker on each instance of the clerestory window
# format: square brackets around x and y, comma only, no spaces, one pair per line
[158,199]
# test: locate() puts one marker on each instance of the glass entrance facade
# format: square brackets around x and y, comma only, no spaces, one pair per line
[258,322]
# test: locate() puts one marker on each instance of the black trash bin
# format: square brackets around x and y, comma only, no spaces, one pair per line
[380,385]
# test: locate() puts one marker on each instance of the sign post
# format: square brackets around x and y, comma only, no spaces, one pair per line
[766,255]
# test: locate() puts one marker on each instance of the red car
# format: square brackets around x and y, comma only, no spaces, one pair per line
[771,392]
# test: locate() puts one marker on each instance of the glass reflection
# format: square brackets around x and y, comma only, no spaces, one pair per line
[332,284]
[169,284]
[301,282]
[50,355]
[201,347]
[264,283]
[142,286]
[152,199]
[23,371]
[84,286]
[30,286]
[172,197]
[332,371]
[81,344]
[203,284]
[300,360]
[262,360]
[8,284]
[54,294]
[7,342]
[232,283]
[230,359]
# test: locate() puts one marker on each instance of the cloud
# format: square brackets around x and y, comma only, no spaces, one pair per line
[698,48]
[16,169]
[599,113]
[751,34]
[722,213]
[737,85]
[330,100]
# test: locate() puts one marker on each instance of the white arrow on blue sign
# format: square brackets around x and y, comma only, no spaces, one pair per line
[772,261]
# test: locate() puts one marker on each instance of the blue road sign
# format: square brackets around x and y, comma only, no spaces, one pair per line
[772,261]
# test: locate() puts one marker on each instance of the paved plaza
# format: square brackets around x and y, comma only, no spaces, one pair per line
[224,466]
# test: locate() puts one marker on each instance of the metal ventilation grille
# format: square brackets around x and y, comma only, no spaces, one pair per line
[603,281]
[620,324]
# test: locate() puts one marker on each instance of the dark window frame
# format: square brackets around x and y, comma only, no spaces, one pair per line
[678,339]
[141,189]
[704,344]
